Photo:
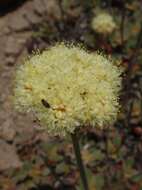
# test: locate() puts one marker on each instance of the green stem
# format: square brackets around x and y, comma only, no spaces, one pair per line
[79,161]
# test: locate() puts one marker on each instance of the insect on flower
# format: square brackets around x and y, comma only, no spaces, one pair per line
[45,103]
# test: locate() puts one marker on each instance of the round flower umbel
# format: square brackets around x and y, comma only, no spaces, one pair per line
[66,87]
[103,23]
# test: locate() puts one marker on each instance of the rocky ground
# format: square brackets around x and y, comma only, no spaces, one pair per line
[16,29]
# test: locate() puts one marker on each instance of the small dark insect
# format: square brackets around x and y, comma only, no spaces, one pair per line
[45,103]
[83,93]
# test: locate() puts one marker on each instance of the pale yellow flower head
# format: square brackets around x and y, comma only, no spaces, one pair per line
[103,23]
[67,87]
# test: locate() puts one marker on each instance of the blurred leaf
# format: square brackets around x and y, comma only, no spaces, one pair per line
[112,149]
[99,181]
[137,178]
[129,162]
[87,156]
[92,155]
[96,182]
[89,39]
[67,4]
[51,151]
[117,140]
[29,184]
[128,168]
[62,168]
[122,152]
[46,172]
[98,155]
[35,172]
[23,172]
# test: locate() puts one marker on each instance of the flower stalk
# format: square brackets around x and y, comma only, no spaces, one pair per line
[79,161]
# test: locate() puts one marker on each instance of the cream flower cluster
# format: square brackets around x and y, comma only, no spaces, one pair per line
[103,23]
[67,87]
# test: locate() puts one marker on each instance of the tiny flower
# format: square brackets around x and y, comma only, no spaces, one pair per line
[66,87]
[103,23]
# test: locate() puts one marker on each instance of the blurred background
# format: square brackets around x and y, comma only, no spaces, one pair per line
[29,158]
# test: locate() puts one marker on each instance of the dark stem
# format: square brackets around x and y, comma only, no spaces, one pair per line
[109,5]
[122,25]
[139,39]
[61,9]
[106,136]
[79,161]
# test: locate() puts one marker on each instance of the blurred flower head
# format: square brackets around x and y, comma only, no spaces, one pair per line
[66,87]
[103,23]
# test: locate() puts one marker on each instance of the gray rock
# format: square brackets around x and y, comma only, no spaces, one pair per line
[32,17]
[7,131]
[8,157]
[52,9]
[29,13]
[18,22]
[13,46]
[10,60]
[3,28]
[39,7]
